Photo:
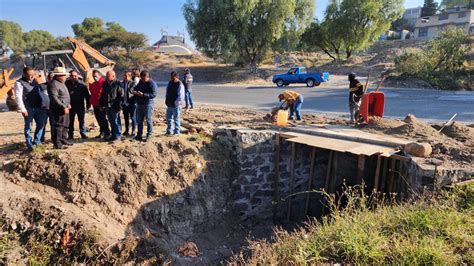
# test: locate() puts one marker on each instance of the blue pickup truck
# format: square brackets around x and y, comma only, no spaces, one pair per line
[299,75]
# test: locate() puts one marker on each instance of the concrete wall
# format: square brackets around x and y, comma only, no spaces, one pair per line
[253,183]
[253,187]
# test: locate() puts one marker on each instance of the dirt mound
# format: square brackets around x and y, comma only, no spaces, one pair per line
[163,192]
[410,127]
[449,148]
[460,132]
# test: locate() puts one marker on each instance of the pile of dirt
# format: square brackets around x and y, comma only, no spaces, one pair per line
[455,148]
[460,132]
[163,193]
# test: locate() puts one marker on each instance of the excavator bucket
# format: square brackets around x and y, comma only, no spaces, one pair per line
[6,88]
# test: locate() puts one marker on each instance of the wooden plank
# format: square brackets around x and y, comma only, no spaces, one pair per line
[391,175]
[377,173]
[384,174]
[276,182]
[334,172]
[328,174]
[341,145]
[360,168]
[310,180]
[292,179]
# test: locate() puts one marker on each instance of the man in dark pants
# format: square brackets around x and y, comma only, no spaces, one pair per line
[79,95]
[95,89]
[44,89]
[188,83]
[129,105]
[144,93]
[174,98]
[30,104]
[60,103]
[111,100]
[356,91]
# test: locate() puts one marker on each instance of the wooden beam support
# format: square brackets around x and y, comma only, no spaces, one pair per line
[391,174]
[310,180]
[334,172]
[377,173]
[328,174]
[384,173]
[292,179]
[360,169]
[276,182]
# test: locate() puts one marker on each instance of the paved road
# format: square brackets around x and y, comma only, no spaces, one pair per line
[331,99]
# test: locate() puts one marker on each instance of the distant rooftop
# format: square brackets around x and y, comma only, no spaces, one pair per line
[172,44]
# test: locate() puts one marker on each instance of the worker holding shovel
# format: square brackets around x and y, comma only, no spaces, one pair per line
[356,91]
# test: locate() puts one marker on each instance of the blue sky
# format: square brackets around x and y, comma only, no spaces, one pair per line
[146,16]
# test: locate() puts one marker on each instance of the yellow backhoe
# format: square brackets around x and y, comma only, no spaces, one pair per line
[78,57]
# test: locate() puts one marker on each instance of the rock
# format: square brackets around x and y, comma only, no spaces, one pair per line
[418,149]
[410,118]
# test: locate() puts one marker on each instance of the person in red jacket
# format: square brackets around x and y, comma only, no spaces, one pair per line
[95,89]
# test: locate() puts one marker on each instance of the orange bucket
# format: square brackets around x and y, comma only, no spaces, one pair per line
[282,118]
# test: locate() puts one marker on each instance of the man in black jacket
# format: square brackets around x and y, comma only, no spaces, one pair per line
[173,99]
[111,100]
[145,93]
[79,95]
[129,104]
[60,103]
[356,91]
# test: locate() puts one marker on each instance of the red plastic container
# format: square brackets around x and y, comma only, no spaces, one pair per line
[372,105]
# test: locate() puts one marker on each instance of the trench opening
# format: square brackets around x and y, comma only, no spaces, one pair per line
[280,180]
[216,191]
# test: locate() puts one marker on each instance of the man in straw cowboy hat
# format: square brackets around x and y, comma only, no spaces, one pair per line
[60,103]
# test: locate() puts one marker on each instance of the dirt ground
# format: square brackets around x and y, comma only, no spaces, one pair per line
[140,202]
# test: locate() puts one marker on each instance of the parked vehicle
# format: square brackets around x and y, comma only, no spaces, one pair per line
[299,75]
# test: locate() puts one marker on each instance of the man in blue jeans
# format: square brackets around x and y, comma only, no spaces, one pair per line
[111,100]
[30,104]
[294,101]
[174,97]
[144,93]
[129,104]
[188,83]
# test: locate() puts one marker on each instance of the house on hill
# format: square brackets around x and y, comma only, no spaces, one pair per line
[429,27]
[172,44]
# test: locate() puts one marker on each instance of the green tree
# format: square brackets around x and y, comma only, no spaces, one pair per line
[244,29]
[352,25]
[91,29]
[296,26]
[11,36]
[440,62]
[429,8]
[38,41]
[452,3]
[109,35]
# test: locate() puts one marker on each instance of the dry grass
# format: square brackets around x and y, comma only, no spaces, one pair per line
[435,229]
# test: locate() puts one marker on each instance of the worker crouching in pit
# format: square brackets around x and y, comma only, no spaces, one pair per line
[293,101]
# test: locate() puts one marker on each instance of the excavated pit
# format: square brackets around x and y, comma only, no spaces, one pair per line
[214,191]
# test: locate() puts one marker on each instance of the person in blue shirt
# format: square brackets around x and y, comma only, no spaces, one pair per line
[145,93]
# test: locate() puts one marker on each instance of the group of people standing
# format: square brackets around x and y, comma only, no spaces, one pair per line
[64,96]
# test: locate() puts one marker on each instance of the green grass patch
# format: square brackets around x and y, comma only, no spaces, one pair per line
[436,229]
